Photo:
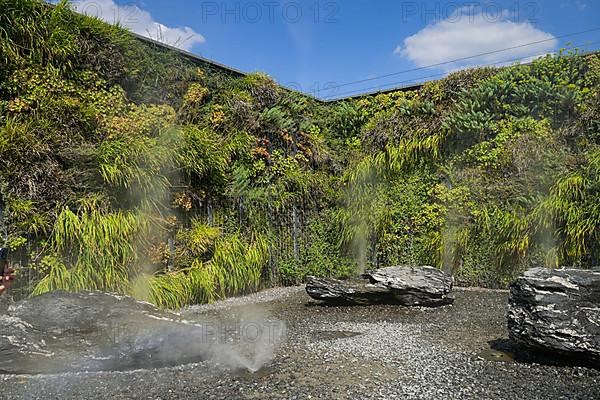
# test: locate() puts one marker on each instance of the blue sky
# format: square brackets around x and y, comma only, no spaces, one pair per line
[324,45]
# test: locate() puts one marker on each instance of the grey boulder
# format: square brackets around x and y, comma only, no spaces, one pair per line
[408,286]
[557,311]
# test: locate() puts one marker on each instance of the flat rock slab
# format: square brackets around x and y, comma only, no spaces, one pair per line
[89,331]
[408,286]
[557,311]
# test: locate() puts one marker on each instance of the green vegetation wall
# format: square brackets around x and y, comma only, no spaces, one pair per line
[485,173]
[126,166]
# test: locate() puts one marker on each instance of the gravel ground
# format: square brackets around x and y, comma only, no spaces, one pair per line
[375,352]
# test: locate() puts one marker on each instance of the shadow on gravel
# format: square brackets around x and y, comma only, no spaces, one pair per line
[517,353]
[339,303]
[334,304]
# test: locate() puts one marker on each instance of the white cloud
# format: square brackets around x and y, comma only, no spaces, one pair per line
[139,21]
[472,35]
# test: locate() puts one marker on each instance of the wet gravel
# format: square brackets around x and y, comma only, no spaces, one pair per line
[375,352]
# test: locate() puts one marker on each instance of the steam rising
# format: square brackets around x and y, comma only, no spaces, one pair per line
[245,341]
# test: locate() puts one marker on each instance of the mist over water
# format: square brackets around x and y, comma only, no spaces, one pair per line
[93,331]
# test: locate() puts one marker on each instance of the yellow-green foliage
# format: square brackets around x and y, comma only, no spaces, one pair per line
[573,204]
[104,251]
[236,267]
[101,249]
